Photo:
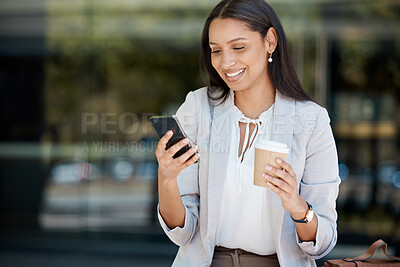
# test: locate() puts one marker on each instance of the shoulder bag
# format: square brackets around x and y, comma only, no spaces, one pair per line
[364,260]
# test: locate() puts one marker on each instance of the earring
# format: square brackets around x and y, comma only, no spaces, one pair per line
[270,58]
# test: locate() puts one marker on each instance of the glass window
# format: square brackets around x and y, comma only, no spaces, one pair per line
[80,79]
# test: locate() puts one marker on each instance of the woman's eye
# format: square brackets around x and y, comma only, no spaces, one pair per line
[215,51]
[238,48]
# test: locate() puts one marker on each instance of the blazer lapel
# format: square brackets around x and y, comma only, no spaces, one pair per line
[283,121]
[282,131]
[219,148]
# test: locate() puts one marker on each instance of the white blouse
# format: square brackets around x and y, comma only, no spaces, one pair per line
[245,220]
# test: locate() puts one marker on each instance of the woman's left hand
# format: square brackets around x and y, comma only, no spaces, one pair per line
[284,184]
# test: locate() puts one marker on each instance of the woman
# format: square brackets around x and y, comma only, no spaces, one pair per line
[211,209]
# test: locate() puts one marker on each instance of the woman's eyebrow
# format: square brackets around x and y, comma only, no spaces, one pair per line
[233,40]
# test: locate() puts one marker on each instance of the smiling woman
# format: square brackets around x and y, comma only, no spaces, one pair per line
[214,209]
[240,61]
[265,26]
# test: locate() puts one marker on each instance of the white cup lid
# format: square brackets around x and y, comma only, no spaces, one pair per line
[272,146]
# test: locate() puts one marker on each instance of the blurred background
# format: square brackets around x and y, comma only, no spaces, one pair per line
[80,78]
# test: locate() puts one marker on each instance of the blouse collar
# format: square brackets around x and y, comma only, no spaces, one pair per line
[265,115]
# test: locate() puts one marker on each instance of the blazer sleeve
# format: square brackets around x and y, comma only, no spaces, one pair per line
[320,186]
[187,180]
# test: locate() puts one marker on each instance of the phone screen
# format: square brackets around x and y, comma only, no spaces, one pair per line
[162,124]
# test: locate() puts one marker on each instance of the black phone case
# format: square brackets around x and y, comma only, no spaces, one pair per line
[162,124]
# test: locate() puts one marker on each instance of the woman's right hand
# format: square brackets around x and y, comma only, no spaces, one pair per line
[169,167]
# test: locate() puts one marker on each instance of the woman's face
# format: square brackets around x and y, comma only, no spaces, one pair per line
[238,54]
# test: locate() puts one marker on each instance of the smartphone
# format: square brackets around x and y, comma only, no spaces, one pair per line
[163,124]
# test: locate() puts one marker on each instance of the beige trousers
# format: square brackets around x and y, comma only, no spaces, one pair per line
[226,257]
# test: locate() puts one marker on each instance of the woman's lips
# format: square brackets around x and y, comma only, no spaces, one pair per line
[234,76]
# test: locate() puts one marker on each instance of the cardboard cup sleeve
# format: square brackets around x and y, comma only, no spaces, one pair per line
[262,158]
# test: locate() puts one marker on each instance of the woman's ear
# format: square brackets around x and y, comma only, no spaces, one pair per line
[271,40]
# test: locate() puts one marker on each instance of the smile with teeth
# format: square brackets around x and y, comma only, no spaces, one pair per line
[235,73]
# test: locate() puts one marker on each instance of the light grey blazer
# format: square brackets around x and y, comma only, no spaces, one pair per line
[304,127]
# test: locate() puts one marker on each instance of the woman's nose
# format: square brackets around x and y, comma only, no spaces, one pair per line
[228,60]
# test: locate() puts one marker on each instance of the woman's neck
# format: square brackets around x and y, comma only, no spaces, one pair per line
[253,102]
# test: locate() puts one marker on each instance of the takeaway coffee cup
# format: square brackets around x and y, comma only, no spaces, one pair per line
[266,153]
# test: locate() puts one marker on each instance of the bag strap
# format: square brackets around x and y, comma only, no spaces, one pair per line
[377,244]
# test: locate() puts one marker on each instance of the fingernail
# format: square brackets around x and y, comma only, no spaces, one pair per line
[269,168]
[169,132]
[264,175]
[185,141]
[279,161]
